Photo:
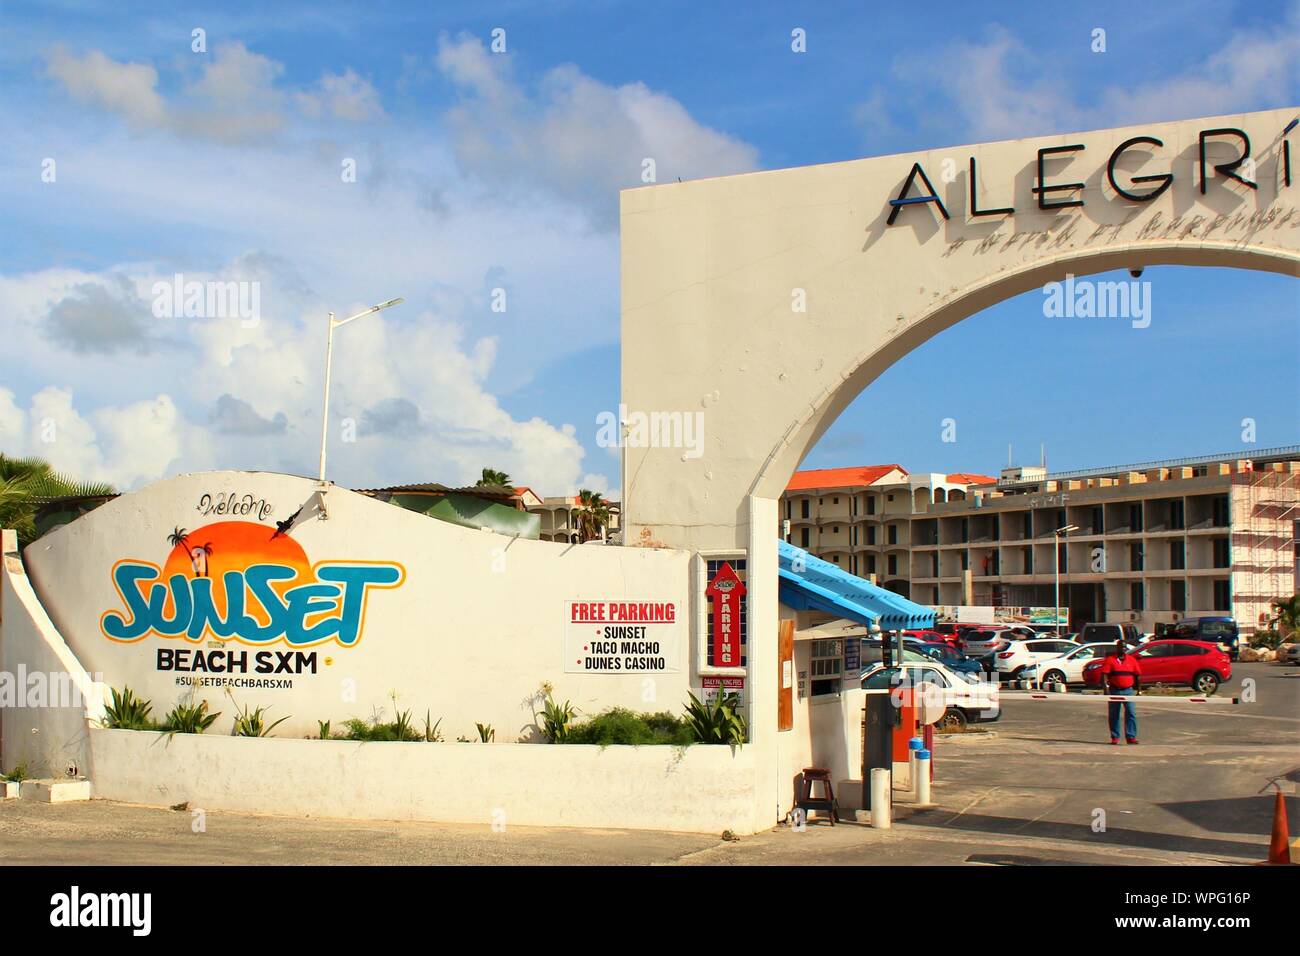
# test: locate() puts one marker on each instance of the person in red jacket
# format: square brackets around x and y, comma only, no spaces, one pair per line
[1122,676]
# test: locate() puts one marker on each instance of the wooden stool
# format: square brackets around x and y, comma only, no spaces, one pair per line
[824,803]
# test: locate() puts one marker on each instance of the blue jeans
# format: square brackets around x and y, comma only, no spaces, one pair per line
[1130,714]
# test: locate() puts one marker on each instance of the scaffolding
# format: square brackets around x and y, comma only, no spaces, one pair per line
[1263,542]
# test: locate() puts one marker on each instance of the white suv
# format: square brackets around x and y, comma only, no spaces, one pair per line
[1016,656]
[966,698]
[1067,669]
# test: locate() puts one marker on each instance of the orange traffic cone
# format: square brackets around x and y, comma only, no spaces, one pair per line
[1279,847]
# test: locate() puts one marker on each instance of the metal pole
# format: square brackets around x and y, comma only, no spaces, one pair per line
[325,406]
[1056,563]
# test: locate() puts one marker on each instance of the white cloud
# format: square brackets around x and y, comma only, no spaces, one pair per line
[999,88]
[580,138]
[235,96]
[343,95]
[97,80]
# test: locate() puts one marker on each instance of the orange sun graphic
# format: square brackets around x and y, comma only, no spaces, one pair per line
[214,549]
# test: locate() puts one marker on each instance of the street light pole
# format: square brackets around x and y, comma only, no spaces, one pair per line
[1056,561]
[329,364]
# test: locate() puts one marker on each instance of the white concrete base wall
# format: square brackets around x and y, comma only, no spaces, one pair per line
[703,789]
[47,739]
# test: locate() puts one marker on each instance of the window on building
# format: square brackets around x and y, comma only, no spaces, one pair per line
[965,530]
[1029,524]
[835,501]
[1177,555]
[1135,556]
[1098,520]
[1135,517]
[826,667]
[853,535]
[835,530]
[893,534]
[871,504]
[1177,515]
[936,564]
[805,506]
[1178,595]
[1222,596]
[1062,561]
[871,534]
[803,538]
[1029,560]
[788,505]
[1219,510]
[1223,553]
[835,558]
[965,560]
[871,564]
[997,528]
[893,564]
[1136,599]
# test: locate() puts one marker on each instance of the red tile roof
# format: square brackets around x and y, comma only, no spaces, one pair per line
[970,478]
[860,476]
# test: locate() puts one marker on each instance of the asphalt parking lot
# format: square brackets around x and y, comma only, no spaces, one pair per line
[1196,791]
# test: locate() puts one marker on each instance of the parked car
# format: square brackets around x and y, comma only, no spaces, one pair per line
[967,700]
[1293,654]
[950,658]
[1011,661]
[1217,630]
[1068,668]
[927,636]
[873,653]
[1023,632]
[985,642]
[1098,632]
[1199,665]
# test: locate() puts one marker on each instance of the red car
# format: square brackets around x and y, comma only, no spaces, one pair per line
[932,637]
[1199,665]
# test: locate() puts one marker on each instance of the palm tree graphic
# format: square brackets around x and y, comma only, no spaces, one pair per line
[199,558]
[178,536]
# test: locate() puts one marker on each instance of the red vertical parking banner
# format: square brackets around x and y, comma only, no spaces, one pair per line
[725,591]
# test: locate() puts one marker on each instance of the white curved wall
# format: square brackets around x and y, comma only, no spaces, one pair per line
[477,624]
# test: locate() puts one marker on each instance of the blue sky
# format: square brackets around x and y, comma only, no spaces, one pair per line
[478,171]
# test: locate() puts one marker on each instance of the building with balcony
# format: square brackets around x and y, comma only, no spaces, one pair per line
[1148,543]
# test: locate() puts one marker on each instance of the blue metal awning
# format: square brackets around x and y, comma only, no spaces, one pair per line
[809,583]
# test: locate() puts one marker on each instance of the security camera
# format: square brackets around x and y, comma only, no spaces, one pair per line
[1136,273]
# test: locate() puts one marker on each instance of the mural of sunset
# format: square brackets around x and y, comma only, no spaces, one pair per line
[223,546]
[213,549]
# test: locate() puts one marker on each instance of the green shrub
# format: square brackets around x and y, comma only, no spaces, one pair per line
[719,722]
[17,775]
[619,725]
[431,732]
[324,727]
[1270,639]
[357,729]
[189,718]
[253,724]
[128,712]
[485,733]
[556,720]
